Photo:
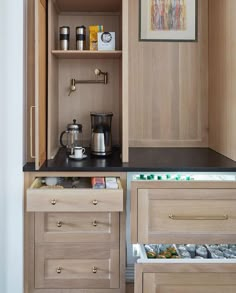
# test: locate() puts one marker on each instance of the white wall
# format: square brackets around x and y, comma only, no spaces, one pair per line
[11,150]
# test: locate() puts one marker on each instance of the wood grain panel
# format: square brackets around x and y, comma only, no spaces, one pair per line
[40,84]
[76,227]
[222,75]
[213,192]
[53,101]
[192,220]
[76,263]
[168,87]
[185,277]
[89,5]
[125,81]
[90,97]
[194,283]
[30,62]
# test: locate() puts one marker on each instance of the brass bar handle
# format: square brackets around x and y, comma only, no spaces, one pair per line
[59,224]
[95,270]
[95,223]
[53,202]
[95,202]
[59,269]
[199,218]
[33,156]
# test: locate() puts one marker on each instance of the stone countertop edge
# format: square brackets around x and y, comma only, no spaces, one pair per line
[142,160]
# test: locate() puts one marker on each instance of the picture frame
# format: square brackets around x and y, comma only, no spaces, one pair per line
[168,20]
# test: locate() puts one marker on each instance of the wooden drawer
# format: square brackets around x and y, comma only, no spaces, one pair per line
[77,227]
[191,278]
[73,200]
[184,214]
[83,266]
[181,275]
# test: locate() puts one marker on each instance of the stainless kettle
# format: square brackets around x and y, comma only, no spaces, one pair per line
[74,136]
[101,139]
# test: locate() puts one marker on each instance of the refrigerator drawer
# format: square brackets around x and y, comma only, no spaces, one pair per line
[183,213]
[184,275]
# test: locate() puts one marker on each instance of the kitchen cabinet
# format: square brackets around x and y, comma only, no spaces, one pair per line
[183,212]
[162,94]
[74,237]
[50,107]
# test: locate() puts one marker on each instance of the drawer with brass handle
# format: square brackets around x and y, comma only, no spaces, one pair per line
[187,212]
[80,266]
[76,227]
[73,199]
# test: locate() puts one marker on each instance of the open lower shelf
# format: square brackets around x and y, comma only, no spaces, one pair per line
[86,54]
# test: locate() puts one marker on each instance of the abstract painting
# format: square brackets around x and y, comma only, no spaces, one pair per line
[168,20]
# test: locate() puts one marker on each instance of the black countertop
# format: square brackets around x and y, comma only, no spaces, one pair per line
[143,160]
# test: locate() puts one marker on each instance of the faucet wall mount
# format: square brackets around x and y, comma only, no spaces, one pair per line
[97,72]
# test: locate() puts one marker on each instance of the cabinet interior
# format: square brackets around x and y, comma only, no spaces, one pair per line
[162,94]
[62,108]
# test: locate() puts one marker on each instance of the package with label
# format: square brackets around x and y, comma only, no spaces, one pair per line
[111,183]
[93,36]
[98,182]
[106,41]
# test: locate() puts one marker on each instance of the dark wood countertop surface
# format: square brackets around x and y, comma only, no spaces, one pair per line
[143,160]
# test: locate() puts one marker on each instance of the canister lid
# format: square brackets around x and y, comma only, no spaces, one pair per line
[74,126]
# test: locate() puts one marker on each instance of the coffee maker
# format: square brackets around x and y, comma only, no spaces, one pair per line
[101,140]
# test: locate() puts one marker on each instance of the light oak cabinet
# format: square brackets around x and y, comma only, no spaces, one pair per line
[77,227]
[182,93]
[73,200]
[51,71]
[74,237]
[80,266]
[183,212]
[185,277]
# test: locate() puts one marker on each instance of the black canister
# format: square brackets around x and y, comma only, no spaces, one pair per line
[81,38]
[64,37]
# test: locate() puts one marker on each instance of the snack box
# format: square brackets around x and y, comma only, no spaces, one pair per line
[93,36]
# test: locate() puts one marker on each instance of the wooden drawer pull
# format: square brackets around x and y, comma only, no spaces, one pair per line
[95,223]
[199,218]
[59,270]
[53,202]
[95,270]
[59,224]
[95,202]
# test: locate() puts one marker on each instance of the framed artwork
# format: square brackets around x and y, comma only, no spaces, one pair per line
[168,20]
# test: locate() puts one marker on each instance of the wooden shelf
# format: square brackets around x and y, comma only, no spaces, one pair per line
[89,5]
[74,54]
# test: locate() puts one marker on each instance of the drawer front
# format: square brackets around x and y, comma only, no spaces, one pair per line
[74,200]
[191,283]
[191,278]
[84,266]
[77,227]
[186,216]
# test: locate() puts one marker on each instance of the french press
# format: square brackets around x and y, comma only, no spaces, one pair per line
[74,136]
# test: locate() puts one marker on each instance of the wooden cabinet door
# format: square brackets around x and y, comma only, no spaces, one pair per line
[40,82]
